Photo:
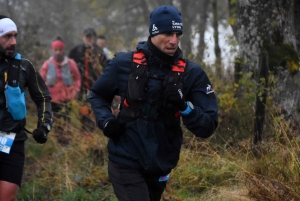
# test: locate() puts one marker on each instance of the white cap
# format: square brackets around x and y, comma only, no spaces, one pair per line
[7,25]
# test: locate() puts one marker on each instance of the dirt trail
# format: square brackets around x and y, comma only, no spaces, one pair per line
[235,195]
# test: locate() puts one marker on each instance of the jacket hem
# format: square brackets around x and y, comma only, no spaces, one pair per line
[124,161]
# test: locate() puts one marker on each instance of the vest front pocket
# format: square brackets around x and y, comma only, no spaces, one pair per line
[16,103]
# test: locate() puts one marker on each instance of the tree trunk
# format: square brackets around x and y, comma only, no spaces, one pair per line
[145,10]
[202,28]
[233,7]
[260,107]
[188,19]
[257,32]
[216,39]
[297,23]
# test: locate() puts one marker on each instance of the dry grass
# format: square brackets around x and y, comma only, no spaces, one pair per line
[266,189]
[55,170]
[206,171]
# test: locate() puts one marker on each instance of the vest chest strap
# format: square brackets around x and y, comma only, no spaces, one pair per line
[136,92]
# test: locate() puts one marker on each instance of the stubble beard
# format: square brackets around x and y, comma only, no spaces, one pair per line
[3,51]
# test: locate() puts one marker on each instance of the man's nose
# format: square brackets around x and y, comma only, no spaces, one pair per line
[13,41]
[174,39]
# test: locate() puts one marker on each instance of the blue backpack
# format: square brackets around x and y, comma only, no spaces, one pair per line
[15,98]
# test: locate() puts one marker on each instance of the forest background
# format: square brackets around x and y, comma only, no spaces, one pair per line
[250,50]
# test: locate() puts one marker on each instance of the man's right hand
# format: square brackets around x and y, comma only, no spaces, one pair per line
[114,128]
[40,134]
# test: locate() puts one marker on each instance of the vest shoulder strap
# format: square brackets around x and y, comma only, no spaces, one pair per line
[140,59]
[14,71]
[66,74]
[179,66]
[51,74]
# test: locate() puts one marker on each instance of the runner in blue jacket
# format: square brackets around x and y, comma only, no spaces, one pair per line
[146,137]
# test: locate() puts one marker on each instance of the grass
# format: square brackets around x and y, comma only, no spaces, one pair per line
[206,170]
[77,171]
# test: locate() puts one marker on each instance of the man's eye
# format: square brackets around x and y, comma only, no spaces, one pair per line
[8,36]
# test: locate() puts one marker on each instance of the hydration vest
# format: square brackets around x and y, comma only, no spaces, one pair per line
[136,91]
[15,98]
[66,74]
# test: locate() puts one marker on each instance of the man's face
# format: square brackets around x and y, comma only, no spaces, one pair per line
[8,43]
[58,53]
[167,42]
[100,42]
[89,40]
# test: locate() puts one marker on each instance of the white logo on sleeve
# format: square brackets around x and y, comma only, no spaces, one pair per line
[209,89]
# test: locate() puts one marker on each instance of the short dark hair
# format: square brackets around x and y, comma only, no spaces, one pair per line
[59,38]
[89,32]
[3,16]
[101,37]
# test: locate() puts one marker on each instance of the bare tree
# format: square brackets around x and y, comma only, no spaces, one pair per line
[188,20]
[232,9]
[269,27]
[203,12]
[219,69]
[145,10]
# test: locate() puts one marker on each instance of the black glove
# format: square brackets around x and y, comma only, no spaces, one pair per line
[40,134]
[113,128]
[173,96]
